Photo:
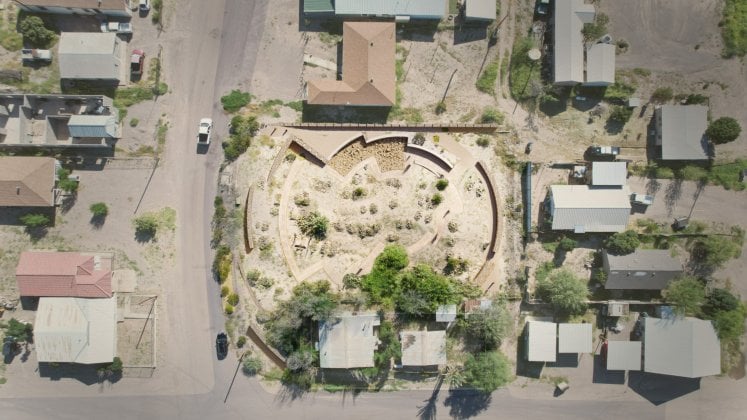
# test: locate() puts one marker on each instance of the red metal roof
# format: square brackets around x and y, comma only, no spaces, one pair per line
[60,274]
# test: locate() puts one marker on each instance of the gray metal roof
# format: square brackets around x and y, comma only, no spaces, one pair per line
[687,347]
[682,132]
[568,59]
[645,259]
[581,208]
[76,330]
[347,341]
[609,173]
[92,55]
[93,126]
[623,355]
[318,6]
[574,338]
[423,348]
[541,341]
[480,9]
[644,269]
[600,64]
[427,9]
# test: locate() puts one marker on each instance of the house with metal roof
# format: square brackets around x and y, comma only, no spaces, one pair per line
[644,269]
[680,132]
[420,9]
[573,63]
[348,341]
[91,56]
[623,355]
[423,348]
[113,8]
[480,10]
[318,7]
[76,330]
[64,274]
[57,121]
[541,341]
[687,347]
[581,208]
[27,181]
[609,174]
[574,338]
[368,77]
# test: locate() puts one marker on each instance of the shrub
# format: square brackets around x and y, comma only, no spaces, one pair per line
[314,225]
[235,100]
[34,220]
[567,244]
[442,183]
[393,257]
[487,371]
[721,300]
[437,199]
[483,141]
[233,299]
[241,341]
[251,365]
[491,115]
[351,281]
[134,122]
[359,192]
[687,295]
[662,95]
[146,224]
[456,265]
[622,243]
[99,209]
[252,276]
[224,291]
[597,29]
[20,331]
[696,99]
[621,114]
[229,309]
[490,325]
[564,291]
[64,182]
[440,108]
[116,366]
[713,251]
[723,130]
[33,30]
[486,82]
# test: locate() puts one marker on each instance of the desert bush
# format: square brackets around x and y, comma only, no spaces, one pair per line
[251,365]
[229,309]
[314,225]
[437,199]
[146,224]
[491,115]
[723,130]
[233,299]
[224,291]
[34,220]
[99,209]
[235,100]
[662,95]
[442,183]
[241,342]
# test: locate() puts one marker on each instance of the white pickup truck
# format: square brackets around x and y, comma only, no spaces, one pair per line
[29,55]
[118,27]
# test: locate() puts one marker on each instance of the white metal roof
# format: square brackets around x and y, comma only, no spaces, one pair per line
[687,347]
[609,173]
[93,126]
[683,132]
[76,330]
[446,313]
[600,64]
[570,16]
[480,9]
[423,348]
[541,341]
[93,55]
[574,338]
[347,341]
[624,355]
[584,209]
[415,8]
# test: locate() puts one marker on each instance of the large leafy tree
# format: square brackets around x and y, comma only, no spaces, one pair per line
[490,325]
[566,292]
[487,371]
[622,243]
[723,130]
[715,250]
[33,29]
[686,294]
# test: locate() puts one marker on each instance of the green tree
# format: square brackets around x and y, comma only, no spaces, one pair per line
[393,257]
[146,225]
[313,224]
[434,288]
[723,130]
[442,183]
[34,220]
[116,366]
[687,295]
[251,365]
[715,250]
[621,114]
[487,371]
[351,281]
[235,100]
[489,325]
[20,331]
[390,347]
[233,299]
[730,324]
[564,291]
[34,31]
[99,209]
[662,95]
[567,244]
[622,243]
[721,300]
[64,182]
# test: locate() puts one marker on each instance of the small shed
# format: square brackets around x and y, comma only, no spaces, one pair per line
[93,126]
[480,10]
[423,348]
[609,174]
[574,338]
[541,341]
[617,308]
[624,355]
[446,313]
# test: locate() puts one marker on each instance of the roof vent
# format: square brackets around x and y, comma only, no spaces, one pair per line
[18,190]
[372,44]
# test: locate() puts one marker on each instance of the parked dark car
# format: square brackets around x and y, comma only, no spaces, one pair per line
[221,345]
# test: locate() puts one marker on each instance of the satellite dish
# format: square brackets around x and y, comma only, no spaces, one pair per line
[534,54]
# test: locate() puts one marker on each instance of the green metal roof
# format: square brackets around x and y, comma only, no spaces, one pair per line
[318,6]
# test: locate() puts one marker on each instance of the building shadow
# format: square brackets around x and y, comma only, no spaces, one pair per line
[564,360]
[466,403]
[417,31]
[470,31]
[343,114]
[659,389]
[603,376]
[86,374]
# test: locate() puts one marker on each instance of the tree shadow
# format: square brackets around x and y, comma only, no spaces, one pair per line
[672,194]
[68,202]
[289,393]
[428,411]
[37,233]
[613,126]
[97,221]
[466,403]
[143,236]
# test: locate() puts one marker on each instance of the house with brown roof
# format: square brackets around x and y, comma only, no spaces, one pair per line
[368,77]
[64,274]
[27,181]
[114,8]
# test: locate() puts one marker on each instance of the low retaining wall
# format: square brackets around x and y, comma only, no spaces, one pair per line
[482,168]
[248,229]
[478,128]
